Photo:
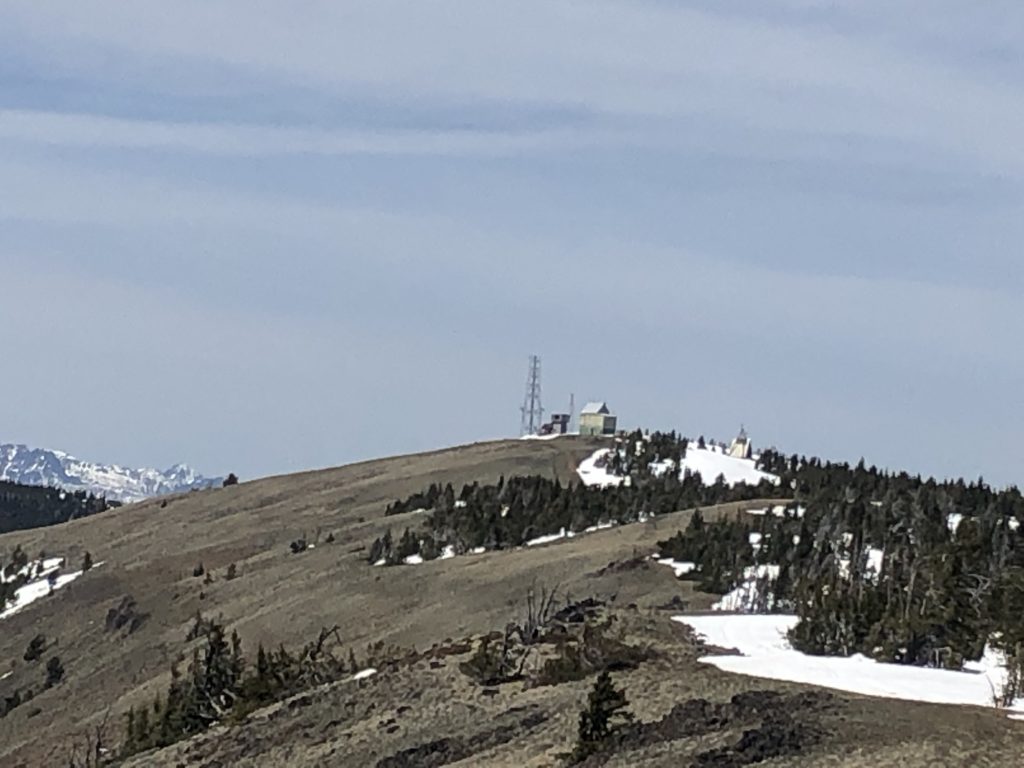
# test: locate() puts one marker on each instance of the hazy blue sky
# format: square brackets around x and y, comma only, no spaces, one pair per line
[262,236]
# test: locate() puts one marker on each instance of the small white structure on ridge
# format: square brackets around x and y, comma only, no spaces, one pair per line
[741,447]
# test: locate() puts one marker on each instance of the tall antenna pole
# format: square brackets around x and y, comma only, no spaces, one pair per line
[533,413]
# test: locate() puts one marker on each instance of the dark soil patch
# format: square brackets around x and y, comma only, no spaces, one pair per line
[452,749]
[787,726]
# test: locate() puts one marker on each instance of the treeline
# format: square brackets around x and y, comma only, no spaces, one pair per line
[514,511]
[25,506]
[890,565]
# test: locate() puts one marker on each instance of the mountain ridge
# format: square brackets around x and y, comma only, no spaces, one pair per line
[20,463]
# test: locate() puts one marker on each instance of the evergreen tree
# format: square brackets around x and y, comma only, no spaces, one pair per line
[605,715]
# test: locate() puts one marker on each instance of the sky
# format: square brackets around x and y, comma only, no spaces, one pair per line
[263,237]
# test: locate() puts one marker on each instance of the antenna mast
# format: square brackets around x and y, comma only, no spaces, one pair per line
[532,411]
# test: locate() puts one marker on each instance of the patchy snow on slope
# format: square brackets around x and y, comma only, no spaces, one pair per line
[680,567]
[366,673]
[755,541]
[447,553]
[600,527]
[710,462]
[551,537]
[779,510]
[765,652]
[34,569]
[953,521]
[874,562]
[40,573]
[592,474]
[745,597]
[413,560]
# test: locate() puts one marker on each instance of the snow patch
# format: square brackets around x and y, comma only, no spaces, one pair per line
[746,596]
[413,560]
[680,567]
[40,573]
[562,534]
[764,651]
[366,673]
[593,475]
[710,462]
[779,510]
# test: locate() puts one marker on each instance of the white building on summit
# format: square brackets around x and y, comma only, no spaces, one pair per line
[597,419]
[741,447]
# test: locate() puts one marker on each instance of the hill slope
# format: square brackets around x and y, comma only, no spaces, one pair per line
[145,565]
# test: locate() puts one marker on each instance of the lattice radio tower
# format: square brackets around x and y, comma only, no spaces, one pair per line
[533,412]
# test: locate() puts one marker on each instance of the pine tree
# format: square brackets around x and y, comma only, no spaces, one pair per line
[605,715]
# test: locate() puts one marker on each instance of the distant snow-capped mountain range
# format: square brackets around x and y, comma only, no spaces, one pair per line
[36,466]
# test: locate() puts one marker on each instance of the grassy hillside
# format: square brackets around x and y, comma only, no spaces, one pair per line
[147,555]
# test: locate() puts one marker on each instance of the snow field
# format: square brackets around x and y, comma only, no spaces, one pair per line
[710,462]
[762,650]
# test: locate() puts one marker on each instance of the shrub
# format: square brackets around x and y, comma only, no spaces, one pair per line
[54,672]
[125,614]
[35,648]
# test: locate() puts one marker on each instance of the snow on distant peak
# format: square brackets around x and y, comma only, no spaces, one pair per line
[35,466]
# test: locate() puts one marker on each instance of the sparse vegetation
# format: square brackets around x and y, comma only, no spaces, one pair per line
[125,615]
[35,649]
[219,683]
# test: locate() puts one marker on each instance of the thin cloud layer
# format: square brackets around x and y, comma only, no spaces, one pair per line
[351,222]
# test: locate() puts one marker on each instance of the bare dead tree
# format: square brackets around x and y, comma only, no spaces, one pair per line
[540,607]
[91,751]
